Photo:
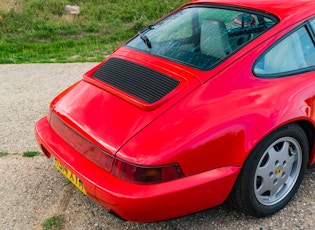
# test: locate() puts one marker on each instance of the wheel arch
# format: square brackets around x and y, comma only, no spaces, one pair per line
[309,130]
[236,197]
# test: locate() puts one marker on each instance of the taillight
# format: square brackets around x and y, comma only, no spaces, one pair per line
[146,175]
[81,145]
[100,158]
[125,170]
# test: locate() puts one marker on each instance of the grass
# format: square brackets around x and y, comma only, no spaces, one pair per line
[31,153]
[53,223]
[25,154]
[40,31]
[2,154]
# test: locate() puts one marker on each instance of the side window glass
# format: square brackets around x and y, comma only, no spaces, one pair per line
[294,52]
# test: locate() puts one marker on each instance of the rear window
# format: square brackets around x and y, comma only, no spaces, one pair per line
[201,37]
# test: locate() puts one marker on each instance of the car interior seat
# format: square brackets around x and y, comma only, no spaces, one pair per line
[214,39]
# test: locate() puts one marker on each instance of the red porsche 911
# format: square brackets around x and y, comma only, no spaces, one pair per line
[214,102]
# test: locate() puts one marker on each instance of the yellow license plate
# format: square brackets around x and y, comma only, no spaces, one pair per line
[71,177]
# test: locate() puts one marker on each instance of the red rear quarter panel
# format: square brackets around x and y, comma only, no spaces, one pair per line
[220,122]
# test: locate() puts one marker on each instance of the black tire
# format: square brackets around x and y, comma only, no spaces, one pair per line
[272,173]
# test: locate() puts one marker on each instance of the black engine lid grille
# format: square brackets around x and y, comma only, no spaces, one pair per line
[136,80]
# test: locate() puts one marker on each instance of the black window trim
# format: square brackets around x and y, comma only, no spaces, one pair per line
[311,29]
[311,33]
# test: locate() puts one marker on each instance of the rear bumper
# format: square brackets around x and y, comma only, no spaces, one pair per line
[142,203]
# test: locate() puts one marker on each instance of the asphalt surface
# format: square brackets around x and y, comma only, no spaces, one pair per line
[32,190]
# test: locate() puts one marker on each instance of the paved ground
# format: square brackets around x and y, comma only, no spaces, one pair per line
[31,189]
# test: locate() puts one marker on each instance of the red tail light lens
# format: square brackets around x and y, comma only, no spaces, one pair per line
[146,175]
[100,158]
[127,171]
[81,145]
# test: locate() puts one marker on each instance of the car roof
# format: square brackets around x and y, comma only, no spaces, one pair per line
[283,9]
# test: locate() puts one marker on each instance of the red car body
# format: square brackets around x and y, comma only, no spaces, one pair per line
[204,129]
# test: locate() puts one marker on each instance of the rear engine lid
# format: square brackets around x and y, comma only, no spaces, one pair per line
[120,97]
[144,80]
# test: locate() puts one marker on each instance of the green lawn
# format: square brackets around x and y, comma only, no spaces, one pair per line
[38,31]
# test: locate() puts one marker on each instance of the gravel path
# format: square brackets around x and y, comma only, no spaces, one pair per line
[31,189]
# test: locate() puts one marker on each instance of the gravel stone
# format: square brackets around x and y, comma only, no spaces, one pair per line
[32,189]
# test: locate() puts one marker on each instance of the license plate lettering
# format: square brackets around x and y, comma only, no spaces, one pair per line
[70,176]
